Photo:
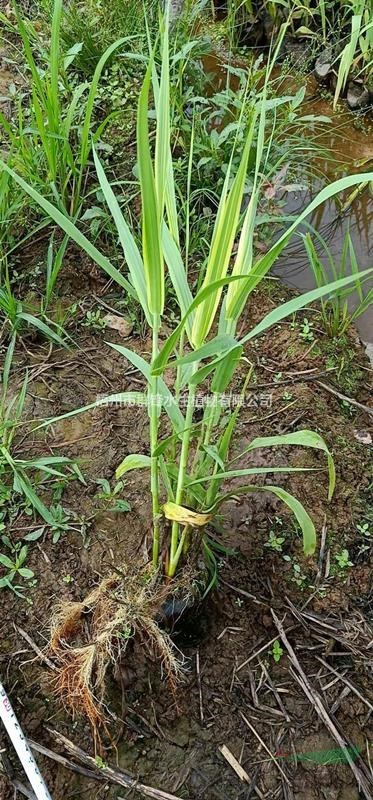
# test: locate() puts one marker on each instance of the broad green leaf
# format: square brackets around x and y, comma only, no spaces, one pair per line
[26,573]
[178,277]
[214,347]
[133,461]
[225,369]
[303,518]
[303,438]
[221,248]
[23,485]
[6,562]
[162,139]
[152,211]
[42,327]
[240,473]
[161,361]
[264,263]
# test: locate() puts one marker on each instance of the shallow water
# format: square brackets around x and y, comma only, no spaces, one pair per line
[351,151]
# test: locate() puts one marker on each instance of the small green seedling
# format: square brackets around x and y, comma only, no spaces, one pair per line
[14,567]
[100,763]
[61,521]
[306,332]
[275,542]
[364,529]
[277,651]
[94,319]
[343,559]
[108,495]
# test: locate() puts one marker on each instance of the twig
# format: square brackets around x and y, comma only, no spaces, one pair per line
[316,701]
[346,681]
[292,380]
[35,648]
[275,692]
[232,761]
[349,400]
[265,647]
[115,775]
[244,593]
[265,747]
[65,762]
[20,787]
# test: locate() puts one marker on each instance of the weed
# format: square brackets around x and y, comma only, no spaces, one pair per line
[191,471]
[277,651]
[306,332]
[94,320]
[275,542]
[335,311]
[110,495]
[343,560]
[14,564]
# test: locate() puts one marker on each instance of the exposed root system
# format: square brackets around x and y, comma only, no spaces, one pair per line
[88,637]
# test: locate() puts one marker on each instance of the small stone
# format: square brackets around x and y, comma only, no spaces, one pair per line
[358,96]
[120,324]
[323,66]
[363,437]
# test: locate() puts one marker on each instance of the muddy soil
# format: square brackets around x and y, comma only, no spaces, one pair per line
[170,741]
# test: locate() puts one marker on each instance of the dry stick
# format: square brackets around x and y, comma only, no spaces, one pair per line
[302,379]
[65,762]
[115,775]
[265,647]
[316,701]
[349,400]
[346,691]
[232,761]
[20,787]
[275,692]
[240,771]
[265,747]
[346,681]
[244,593]
[35,648]
[201,714]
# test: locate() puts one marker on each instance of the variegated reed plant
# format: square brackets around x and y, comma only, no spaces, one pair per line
[189,467]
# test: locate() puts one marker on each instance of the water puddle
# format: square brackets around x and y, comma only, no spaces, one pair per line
[351,150]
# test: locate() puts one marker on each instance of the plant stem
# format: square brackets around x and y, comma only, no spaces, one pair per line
[154,413]
[175,551]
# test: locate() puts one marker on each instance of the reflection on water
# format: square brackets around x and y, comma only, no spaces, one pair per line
[351,151]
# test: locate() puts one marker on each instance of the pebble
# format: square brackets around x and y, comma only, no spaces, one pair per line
[358,96]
